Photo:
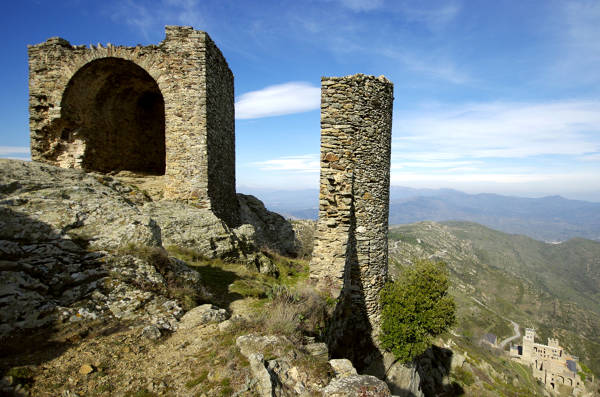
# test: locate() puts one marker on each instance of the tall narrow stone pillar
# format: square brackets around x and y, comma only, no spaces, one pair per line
[351,251]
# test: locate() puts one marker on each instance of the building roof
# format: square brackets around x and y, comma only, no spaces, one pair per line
[572,365]
[490,338]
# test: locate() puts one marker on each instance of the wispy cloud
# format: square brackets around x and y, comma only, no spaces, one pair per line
[430,64]
[15,152]
[576,29]
[303,163]
[150,18]
[435,18]
[499,130]
[361,5]
[276,100]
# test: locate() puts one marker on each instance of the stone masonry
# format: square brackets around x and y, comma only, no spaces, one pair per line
[350,253]
[158,109]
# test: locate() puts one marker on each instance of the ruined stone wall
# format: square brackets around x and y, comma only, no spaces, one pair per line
[220,128]
[109,108]
[350,253]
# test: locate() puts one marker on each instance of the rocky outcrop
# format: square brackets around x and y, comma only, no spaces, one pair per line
[76,245]
[271,230]
[282,375]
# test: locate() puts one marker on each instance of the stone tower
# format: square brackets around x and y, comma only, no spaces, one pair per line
[528,341]
[350,256]
[158,109]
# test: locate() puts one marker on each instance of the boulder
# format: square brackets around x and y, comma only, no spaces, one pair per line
[342,367]
[356,385]
[201,315]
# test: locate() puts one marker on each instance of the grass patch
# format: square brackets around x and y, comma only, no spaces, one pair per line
[187,293]
[463,376]
[197,380]
[140,393]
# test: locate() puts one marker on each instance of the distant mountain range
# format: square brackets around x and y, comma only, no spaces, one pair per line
[549,219]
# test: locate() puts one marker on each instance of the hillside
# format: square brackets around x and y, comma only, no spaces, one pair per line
[548,218]
[107,289]
[552,287]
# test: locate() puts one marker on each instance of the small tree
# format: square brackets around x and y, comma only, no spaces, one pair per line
[416,308]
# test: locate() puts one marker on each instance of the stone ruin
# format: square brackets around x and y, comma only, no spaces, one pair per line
[350,256]
[165,109]
[168,109]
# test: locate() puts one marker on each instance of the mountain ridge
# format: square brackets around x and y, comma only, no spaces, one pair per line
[549,218]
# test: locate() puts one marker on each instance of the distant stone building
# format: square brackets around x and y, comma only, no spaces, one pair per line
[550,363]
[165,109]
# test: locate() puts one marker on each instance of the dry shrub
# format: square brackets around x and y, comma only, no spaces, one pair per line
[296,311]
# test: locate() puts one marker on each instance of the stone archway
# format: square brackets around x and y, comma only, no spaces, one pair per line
[113,119]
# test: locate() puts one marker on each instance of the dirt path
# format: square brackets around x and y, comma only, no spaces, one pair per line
[515,336]
[516,326]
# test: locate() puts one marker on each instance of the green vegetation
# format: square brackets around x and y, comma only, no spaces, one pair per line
[416,308]
[554,288]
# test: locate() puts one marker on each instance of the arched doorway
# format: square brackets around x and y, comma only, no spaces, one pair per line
[113,118]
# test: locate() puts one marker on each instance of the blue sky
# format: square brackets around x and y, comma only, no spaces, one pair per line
[490,96]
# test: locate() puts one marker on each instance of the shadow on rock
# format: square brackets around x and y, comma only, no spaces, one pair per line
[433,367]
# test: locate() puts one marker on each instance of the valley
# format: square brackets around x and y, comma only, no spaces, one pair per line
[500,280]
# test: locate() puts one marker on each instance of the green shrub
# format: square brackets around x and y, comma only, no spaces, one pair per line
[416,308]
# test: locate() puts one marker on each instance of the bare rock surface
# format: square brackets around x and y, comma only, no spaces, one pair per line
[69,243]
[203,314]
[357,385]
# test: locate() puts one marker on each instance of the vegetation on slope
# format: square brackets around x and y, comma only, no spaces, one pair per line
[551,287]
[416,308]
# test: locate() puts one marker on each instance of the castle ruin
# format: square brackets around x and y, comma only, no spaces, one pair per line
[165,109]
[350,256]
[168,109]
[550,363]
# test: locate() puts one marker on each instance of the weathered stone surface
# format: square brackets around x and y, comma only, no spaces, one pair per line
[342,367]
[286,378]
[266,387]
[350,255]
[254,343]
[357,385]
[151,332]
[159,109]
[404,380]
[201,315]
[354,199]
[272,231]
[50,220]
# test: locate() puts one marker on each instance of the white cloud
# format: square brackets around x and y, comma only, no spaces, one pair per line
[430,64]
[276,100]
[362,5]
[435,18]
[590,157]
[15,152]
[150,18]
[303,163]
[576,30]
[499,130]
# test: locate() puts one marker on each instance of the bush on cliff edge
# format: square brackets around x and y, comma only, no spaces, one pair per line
[415,309]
